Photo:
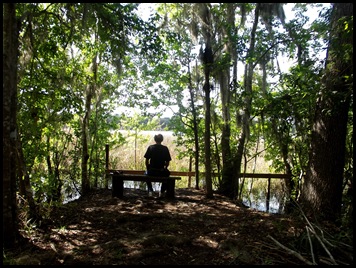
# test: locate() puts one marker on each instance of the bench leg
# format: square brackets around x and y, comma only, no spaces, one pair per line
[117,187]
[170,188]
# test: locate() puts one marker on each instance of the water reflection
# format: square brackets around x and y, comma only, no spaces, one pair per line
[254,195]
[276,205]
[255,198]
[74,194]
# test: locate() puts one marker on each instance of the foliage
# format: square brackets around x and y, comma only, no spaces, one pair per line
[153,65]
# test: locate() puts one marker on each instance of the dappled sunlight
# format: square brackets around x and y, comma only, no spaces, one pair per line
[207,241]
[137,229]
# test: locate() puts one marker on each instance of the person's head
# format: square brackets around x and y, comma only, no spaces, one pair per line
[158,138]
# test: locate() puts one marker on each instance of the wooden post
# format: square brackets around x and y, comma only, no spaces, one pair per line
[268,194]
[107,156]
[107,166]
[170,188]
[190,170]
[117,186]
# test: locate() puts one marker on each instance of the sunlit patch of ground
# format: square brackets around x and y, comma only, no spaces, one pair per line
[138,229]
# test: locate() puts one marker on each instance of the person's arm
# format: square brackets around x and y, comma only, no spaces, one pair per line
[166,164]
[147,162]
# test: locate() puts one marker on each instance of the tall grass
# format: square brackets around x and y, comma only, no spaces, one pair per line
[131,154]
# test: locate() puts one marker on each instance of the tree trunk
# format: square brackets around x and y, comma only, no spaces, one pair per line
[195,130]
[25,183]
[208,177]
[10,46]
[227,166]
[245,129]
[85,153]
[224,81]
[322,187]
[85,129]
[208,61]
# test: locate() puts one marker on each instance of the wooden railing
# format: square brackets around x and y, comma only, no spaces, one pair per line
[138,172]
[191,174]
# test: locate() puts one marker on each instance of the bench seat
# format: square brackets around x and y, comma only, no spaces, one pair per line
[118,183]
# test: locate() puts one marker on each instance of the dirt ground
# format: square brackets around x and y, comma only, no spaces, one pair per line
[144,230]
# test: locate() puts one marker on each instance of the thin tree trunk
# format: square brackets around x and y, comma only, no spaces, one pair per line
[208,177]
[245,130]
[208,61]
[195,130]
[85,154]
[86,124]
[25,183]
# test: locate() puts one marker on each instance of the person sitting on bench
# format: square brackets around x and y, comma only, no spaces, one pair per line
[157,162]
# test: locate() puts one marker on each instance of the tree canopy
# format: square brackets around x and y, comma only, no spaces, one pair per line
[218,67]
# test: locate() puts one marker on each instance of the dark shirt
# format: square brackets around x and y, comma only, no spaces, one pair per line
[158,155]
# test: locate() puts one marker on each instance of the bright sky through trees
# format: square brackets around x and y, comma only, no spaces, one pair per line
[145,10]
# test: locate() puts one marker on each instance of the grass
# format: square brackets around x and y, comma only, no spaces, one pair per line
[130,155]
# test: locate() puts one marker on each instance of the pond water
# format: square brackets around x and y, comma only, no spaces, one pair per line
[260,204]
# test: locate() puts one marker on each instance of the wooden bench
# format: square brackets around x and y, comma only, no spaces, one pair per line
[118,182]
